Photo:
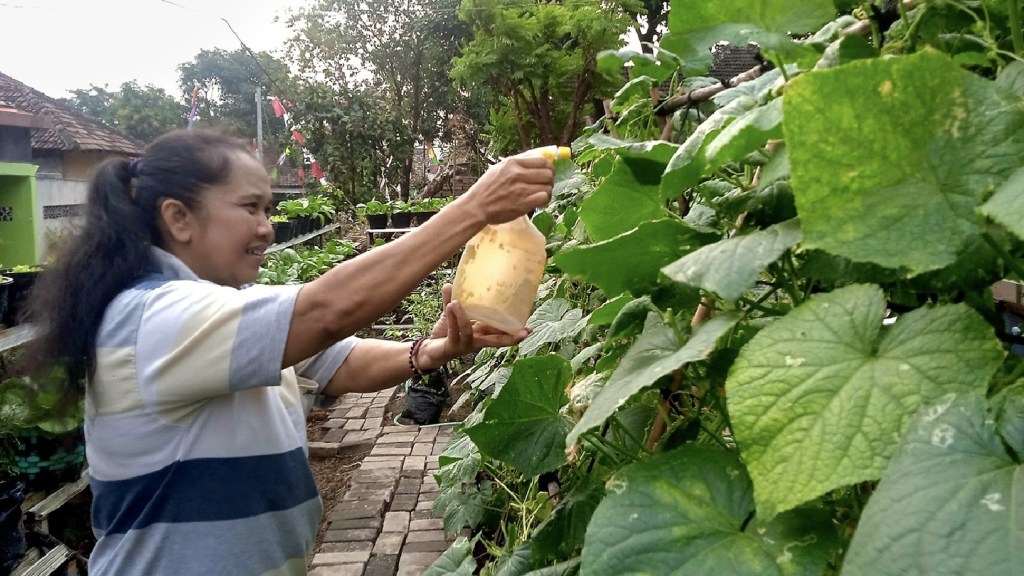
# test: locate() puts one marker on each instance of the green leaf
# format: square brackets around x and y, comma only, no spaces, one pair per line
[746,134]
[623,201]
[608,311]
[553,321]
[690,162]
[523,426]
[731,266]
[1012,77]
[562,533]
[1006,206]
[655,353]
[1009,409]
[923,143]
[687,512]
[696,25]
[950,501]
[567,568]
[457,560]
[517,563]
[631,262]
[660,67]
[818,397]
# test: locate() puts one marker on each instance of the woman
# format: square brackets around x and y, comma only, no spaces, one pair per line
[195,431]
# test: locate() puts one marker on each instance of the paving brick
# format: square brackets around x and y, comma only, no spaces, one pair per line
[371,434]
[354,535]
[429,483]
[354,424]
[357,523]
[361,509]
[325,558]
[333,423]
[360,546]
[396,429]
[422,515]
[416,463]
[357,412]
[425,505]
[382,565]
[396,522]
[421,449]
[352,443]
[432,546]
[372,423]
[338,570]
[416,561]
[396,464]
[426,434]
[390,543]
[430,524]
[323,449]
[403,503]
[395,438]
[375,412]
[384,495]
[336,434]
[412,473]
[426,536]
[408,486]
[381,476]
[391,449]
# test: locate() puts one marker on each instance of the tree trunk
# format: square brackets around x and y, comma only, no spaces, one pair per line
[524,138]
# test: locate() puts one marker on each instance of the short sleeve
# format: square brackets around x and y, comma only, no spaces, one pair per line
[322,367]
[197,340]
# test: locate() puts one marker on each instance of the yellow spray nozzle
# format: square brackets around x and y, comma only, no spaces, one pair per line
[556,152]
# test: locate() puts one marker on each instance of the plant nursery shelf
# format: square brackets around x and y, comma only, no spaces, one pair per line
[16,336]
[301,239]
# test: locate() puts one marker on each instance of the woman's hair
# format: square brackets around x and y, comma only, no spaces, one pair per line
[111,251]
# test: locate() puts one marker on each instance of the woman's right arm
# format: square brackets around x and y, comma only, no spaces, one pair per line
[353,294]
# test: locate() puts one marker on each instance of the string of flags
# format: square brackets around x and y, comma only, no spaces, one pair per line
[195,104]
[281,111]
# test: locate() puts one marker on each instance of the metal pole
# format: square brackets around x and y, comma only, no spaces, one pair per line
[259,122]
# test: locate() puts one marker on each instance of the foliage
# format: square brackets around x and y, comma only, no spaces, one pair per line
[536,63]
[315,206]
[228,82]
[302,264]
[142,112]
[27,404]
[372,207]
[767,343]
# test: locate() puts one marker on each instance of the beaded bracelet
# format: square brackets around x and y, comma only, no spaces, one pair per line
[413,350]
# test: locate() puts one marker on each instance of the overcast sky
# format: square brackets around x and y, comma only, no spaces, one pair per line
[58,45]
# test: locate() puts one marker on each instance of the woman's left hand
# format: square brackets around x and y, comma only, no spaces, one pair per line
[455,335]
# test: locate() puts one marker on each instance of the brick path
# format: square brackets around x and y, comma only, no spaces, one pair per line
[382,526]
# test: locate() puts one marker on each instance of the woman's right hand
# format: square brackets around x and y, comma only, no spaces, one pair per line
[512,188]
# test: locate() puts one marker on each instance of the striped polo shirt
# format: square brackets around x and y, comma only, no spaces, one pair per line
[195,437]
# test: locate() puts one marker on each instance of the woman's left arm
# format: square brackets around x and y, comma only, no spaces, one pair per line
[378,364]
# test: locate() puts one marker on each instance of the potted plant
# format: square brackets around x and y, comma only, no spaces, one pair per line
[23,278]
[5,283]
[297,210]
[424,208]
[401,214]
[282,228]
[320,209]
[375,213]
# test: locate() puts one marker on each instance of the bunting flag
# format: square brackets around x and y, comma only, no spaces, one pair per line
[317,172]
[431,155]
[278,107]
[281,110]
[298,138]
[195,104]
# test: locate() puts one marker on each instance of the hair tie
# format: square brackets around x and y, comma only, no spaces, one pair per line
[134,167]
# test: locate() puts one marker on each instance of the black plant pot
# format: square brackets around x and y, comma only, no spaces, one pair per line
[12,535]
[422,217]
[377,221]
[282,231]
[401,219]
[5,284]
[16,293]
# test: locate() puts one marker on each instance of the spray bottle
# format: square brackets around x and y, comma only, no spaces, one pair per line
[501,268]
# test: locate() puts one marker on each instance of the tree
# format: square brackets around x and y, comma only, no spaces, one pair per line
[401,51]
[143,112]
[538,63]
[228,83]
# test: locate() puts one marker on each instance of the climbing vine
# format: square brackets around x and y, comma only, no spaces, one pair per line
[767,342]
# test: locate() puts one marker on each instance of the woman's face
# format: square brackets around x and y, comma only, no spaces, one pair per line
[232,226]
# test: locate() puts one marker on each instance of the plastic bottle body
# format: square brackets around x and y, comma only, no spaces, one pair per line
[499,272]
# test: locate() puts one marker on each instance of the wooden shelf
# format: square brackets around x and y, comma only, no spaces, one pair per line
[16,336]
[301,239]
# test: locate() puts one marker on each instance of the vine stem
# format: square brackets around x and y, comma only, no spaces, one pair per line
[1012,262]
[1015,27]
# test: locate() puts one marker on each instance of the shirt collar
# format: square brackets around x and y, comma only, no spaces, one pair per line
[171,266]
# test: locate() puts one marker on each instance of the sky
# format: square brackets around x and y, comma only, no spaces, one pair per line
[56,46]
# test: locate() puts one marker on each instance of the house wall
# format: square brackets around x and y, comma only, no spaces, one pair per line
[18,215]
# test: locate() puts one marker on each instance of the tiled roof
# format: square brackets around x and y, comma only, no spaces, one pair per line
[71,130]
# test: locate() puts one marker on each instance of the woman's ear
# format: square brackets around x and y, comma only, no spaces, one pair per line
[177,221]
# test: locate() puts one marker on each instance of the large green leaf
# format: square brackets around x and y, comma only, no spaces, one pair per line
[457,560]
[624,200]
[1007,205]
[696,25]
[656,353]
[1009,408]
[746,134]
[923,143]
[523,426]
[631,262]
[688,512]
[818,397]
[730,267]
[950,502]
[561,533]
[552,322]
[1012,77]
